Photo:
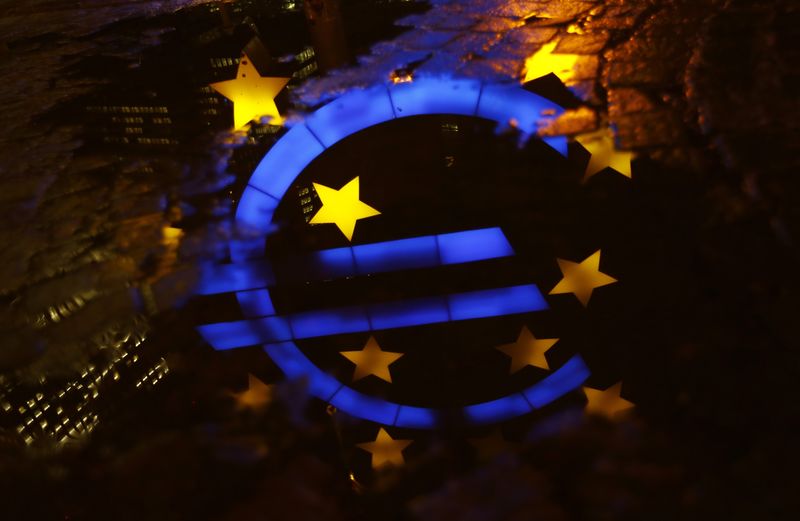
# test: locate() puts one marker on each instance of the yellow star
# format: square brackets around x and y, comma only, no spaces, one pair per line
[604,153]
[543,62]
[385,450]
[528,350]
[582,278]
[252,95]
[371,360]
[342,207]
[256,397]
[606,403]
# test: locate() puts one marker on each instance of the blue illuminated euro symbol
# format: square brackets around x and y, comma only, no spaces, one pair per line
[250,276]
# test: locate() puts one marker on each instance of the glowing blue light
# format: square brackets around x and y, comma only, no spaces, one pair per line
[408,313]
[255,209]
[416,417]
[568,377]
[435,96]
[376,317]
[365,407]
[419,252]
[221,278]
[473,245]
[503,408]
[496,302]
[256,303]
[559,143]
[329,322]
[331,264]
[354,111]
[508,104]
[229,335]
[295,365]
[283,163]
[364,259]
[357,110]
[245,249]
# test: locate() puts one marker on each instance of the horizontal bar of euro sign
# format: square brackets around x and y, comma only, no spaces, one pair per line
[374,317]
[364,259]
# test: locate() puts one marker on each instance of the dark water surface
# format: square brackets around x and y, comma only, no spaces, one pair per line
[119,176]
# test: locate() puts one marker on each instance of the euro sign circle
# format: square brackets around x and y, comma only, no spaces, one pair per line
[250,277]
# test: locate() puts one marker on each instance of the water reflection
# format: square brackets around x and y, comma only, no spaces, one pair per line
[119,175]
[118,165]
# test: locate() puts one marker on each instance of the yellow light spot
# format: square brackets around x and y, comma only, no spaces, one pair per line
[385,450]
[604,153]
[342,207]
[581,278]
[257,396]
[528,350]
[253,95]
[170,235]
[372,361]
[544,61]
[606,403]
[401,77]
[575,29]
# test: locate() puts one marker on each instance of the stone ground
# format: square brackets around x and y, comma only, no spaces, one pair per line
[698,89]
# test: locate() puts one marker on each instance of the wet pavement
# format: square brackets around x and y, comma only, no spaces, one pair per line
[103,243]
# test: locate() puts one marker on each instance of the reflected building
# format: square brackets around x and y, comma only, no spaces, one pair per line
[166,103]
[308,200]
[324,18]
[61,411]
[159,108]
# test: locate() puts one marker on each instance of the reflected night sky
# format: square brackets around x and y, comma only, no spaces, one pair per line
[629,298]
